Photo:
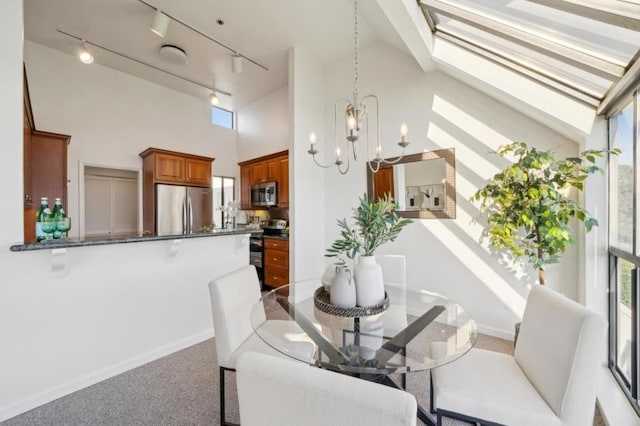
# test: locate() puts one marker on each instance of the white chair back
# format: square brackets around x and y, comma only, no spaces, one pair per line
[394,268]
[273,391]
[232,297]
[559,349]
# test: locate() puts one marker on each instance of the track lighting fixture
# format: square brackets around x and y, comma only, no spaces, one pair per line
[160,23]
[236,63]
[84,54]
[213,98]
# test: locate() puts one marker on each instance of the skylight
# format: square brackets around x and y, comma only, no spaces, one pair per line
[582,48]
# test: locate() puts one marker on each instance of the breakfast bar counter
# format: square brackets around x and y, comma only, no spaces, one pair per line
[124,239]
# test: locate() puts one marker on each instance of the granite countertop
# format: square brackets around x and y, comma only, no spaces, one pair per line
[124,239]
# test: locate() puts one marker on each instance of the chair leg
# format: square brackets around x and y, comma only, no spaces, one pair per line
[432,409]
[223,421]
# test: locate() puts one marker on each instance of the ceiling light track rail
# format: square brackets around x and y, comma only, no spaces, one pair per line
[548,81]
[208,37]
[123,55]
[593,64]
[618,13]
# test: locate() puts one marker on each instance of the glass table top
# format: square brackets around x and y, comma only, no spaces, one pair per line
[419,330]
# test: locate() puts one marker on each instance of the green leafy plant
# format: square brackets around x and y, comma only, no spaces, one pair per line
[375,224]
[527,207]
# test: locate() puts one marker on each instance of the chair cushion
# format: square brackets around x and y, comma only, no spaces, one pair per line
[274,392]
[298,343]
[489,386]
[559,349]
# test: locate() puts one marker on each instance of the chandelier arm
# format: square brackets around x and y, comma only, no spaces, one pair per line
[321,165]
[393,161]
[347,168]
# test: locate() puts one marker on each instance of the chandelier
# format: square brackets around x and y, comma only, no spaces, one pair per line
[356,121]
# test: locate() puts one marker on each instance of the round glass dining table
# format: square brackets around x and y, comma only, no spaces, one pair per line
[419,330]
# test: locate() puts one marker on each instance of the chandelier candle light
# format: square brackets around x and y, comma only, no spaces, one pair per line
[357,120]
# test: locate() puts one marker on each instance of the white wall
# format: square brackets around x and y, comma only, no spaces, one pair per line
[307,209]
[113,116]
[118,306]
[264,126]
[445,255]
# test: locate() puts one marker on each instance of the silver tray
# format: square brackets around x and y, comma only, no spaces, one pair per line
[322,299]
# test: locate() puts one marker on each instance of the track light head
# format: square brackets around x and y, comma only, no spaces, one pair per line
[213,98]
[236,63]
[84,54]
[160,23]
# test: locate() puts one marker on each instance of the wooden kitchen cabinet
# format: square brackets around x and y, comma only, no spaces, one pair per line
[269,168]
[258,173]
[245,188]
[169,167]
[44,168]
[183,169]
[283,183]
[276,262]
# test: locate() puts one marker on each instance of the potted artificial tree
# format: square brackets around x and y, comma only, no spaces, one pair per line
[375,223]
[527,206]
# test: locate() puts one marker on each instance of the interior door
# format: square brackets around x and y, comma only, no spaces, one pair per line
[200,201]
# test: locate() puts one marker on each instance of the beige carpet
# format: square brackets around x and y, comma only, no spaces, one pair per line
[179,389]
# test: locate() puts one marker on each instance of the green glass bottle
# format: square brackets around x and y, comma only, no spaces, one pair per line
[58,216]
[42,211]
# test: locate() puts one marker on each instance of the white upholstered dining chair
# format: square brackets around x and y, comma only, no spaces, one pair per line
[394,268]
[550,380]
[232,298]
[274,392]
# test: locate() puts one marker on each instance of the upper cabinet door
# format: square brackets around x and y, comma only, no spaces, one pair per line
[258,173]
[273,170]
[283,182]
[170,168]
[198,172]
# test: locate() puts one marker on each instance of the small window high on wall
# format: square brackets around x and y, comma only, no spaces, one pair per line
[222,117]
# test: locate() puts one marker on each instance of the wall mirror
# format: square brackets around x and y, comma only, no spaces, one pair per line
[423,185]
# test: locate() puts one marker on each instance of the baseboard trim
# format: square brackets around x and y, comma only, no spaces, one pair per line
[496,332]
[59,391]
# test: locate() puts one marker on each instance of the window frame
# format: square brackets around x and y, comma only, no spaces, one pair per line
[233,117]
[630,385]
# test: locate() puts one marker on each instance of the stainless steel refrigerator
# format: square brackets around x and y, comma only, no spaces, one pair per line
[182,209]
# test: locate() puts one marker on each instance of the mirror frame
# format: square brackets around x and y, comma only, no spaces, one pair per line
[449,156]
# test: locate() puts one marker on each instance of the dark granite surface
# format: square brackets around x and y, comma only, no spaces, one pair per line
[276,237]
[100,241]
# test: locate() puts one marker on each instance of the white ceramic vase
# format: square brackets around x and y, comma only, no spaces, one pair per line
[343,288]
[369,282]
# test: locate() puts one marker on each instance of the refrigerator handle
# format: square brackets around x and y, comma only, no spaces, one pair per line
[184,217]
[190,215]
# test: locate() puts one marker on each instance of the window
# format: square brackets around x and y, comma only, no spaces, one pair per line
[624,255]
[579,48]
[223,201]
[222,117]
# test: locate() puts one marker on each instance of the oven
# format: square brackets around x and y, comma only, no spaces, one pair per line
[256,250]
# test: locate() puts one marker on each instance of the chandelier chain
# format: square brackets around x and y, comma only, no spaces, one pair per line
[357,71]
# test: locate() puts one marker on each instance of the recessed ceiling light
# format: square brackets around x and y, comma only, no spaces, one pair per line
[173,54]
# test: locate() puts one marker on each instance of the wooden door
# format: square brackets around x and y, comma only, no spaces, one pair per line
[245,187]
[273,170]
[169,168]
[283,183]
[198,172]
[258,173]
[383,182]
[48,174]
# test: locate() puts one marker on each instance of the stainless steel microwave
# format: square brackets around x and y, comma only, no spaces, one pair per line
[264,194]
